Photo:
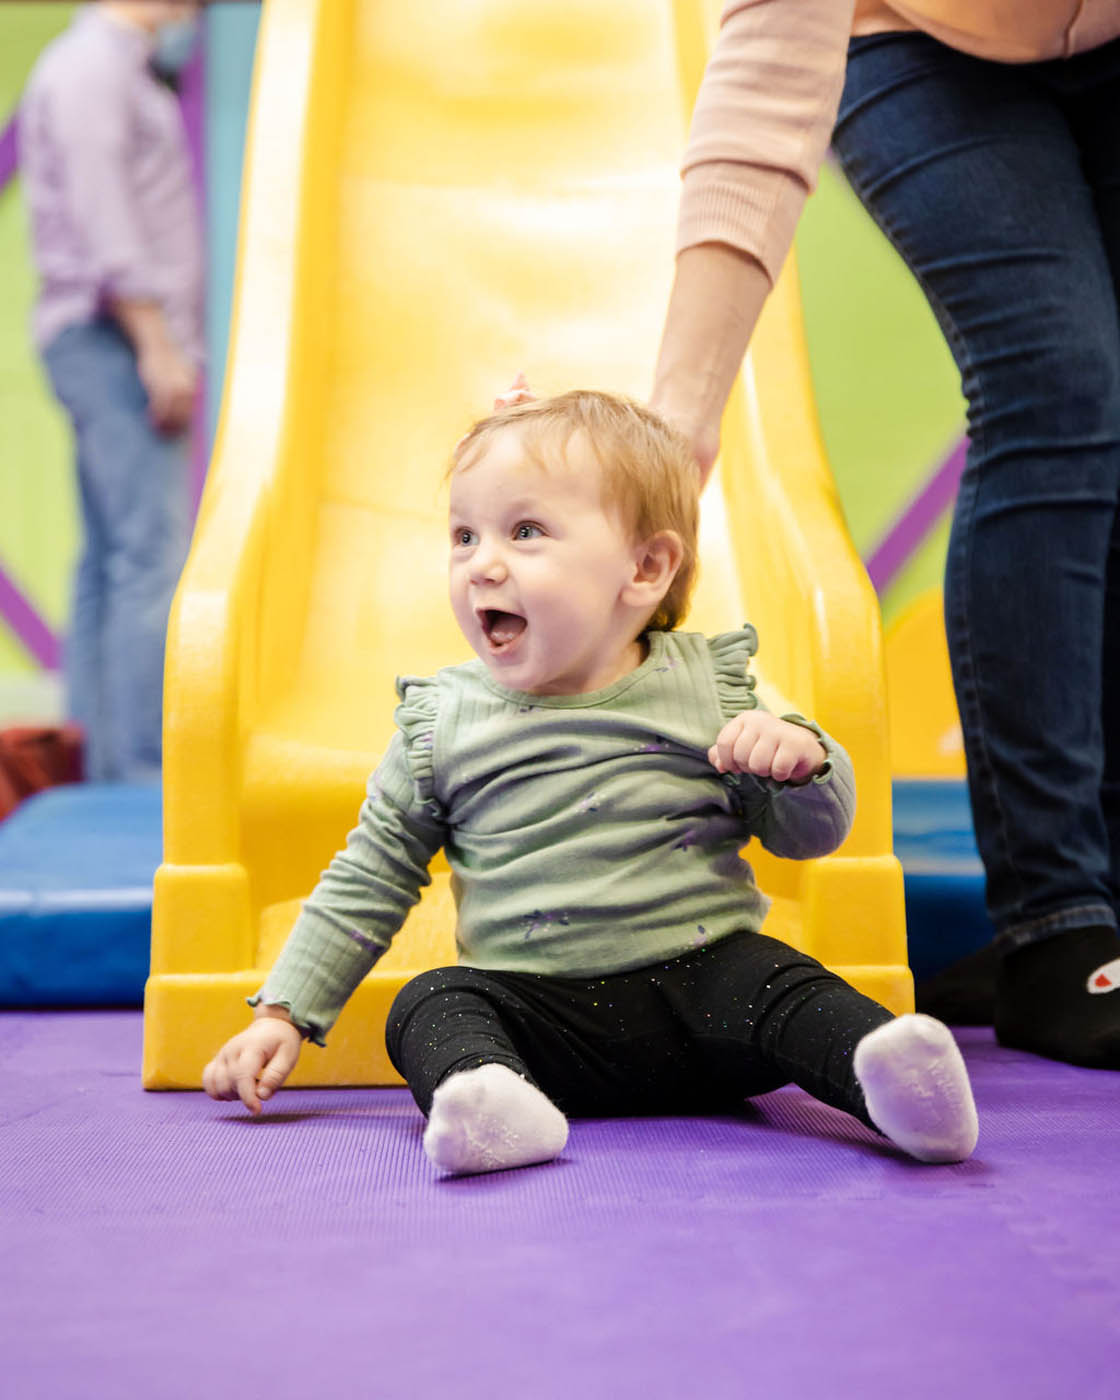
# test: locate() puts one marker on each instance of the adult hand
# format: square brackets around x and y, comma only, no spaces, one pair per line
[253,1064]
[717,295]
[171,380]
[701,434]
[759,743]
[518,392]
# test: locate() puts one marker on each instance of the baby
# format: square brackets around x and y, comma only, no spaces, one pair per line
[593,777]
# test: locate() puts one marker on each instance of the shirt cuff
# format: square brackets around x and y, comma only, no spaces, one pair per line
[753,208]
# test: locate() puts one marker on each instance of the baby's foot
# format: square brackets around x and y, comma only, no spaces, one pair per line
[488,1119]
[917,1089]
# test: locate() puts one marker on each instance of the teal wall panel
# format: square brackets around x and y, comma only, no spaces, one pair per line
[231,40]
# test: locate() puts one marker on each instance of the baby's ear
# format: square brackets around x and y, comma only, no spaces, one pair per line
[656,562]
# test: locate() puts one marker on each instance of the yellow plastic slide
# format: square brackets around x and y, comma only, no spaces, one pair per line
[925,727]
[437,196]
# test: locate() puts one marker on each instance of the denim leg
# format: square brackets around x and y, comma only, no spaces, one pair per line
[133,488]
[974,171]
[82,665]
[1093,106]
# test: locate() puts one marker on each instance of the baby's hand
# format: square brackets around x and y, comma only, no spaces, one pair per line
[760,743]
[254,1064]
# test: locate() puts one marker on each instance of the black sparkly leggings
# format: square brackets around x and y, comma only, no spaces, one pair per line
[699,1034]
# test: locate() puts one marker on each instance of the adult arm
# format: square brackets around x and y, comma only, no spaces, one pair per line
[763,117]
[168,376]
[718,293]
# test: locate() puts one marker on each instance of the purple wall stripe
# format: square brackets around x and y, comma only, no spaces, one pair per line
[916,521]
[9,151]
[18,613]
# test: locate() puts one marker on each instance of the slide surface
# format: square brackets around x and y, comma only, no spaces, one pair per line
[435,197]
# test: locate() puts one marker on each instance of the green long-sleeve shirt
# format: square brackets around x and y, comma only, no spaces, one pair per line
[586,834]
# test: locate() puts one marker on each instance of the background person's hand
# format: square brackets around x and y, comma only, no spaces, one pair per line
[254,1063]
[171,381]
[759,743]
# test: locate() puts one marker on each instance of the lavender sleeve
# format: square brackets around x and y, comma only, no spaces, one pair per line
[92,122]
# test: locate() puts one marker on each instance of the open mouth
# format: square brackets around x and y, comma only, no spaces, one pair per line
[502,629]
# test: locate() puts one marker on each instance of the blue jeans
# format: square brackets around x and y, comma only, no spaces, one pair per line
[999,185]
[135,513]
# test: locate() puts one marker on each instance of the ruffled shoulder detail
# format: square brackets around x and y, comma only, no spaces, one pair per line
[731,653]
[416,717]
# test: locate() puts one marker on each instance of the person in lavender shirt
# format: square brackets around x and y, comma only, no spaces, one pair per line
[116,238]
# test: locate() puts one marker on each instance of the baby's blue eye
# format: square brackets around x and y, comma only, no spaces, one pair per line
[463,536]
[527,531]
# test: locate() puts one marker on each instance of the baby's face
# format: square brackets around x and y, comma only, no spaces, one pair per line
[538,568]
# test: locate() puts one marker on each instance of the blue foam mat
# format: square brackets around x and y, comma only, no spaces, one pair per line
[933,838]
[76,870]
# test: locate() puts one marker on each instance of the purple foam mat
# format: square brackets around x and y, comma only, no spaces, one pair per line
[163,1245]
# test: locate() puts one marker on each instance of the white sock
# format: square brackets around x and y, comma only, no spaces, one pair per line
[917,1089]
[489,1118]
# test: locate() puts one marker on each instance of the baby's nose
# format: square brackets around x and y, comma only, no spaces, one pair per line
[489,563]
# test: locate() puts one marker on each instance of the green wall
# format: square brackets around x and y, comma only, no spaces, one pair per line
[38,517]
[39,524]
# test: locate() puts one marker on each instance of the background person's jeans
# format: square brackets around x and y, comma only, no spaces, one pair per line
[999,184]
[133,489]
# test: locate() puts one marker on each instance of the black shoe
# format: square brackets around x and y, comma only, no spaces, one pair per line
[964,993]
[1061,998]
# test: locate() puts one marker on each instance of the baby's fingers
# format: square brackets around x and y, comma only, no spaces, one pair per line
[250,1062]
[217,1078]
[278,1069]
[755,753]
[722,753]
[800,755]
[785,758]
[789,762]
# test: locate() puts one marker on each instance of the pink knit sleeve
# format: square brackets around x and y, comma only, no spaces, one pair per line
[762,123]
